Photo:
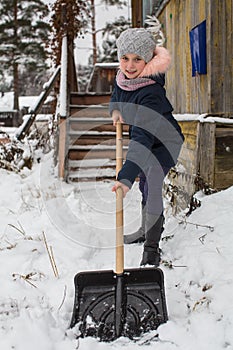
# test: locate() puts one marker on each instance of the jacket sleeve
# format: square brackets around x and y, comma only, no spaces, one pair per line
[114,104]
[139,156]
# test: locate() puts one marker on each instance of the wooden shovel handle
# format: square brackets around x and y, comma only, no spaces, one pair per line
[119,204]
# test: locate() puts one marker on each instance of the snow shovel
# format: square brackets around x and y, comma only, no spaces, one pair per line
[124,302]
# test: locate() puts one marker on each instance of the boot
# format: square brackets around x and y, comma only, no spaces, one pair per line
[139,235]
[154,229]
[151,257]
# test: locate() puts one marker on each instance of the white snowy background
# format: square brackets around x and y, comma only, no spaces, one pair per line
[78,221]
[83,46]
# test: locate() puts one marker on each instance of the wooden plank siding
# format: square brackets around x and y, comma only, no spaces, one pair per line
[223,160]
[221,56]
[210,93]
[206,158]
[206,154]
[182,177]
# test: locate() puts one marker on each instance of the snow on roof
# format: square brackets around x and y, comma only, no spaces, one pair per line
[7,101]
[107,64]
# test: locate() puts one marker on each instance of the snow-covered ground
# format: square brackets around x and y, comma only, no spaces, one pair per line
[78,222]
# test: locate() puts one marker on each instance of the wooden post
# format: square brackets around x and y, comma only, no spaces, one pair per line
[206,154]
[62,148]
[137,13]
[63,101]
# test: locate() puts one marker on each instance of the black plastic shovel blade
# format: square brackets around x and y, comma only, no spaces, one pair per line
[108,305]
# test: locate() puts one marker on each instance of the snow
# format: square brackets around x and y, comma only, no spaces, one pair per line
[20,129]
[63,80]
[202,118]
[8,130]
[78,221]
[107,64]
[6,101]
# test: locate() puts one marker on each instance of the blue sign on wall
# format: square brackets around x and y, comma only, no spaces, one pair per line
[198,49]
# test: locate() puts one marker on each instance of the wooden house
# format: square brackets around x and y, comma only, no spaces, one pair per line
[199,85]
[203,93]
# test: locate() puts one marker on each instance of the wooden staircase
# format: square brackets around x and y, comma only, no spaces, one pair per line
[91,138]
[86,148]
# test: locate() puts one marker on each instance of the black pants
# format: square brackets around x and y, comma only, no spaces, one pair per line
[151,185]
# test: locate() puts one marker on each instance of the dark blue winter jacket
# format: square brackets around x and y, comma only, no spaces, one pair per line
[155,136]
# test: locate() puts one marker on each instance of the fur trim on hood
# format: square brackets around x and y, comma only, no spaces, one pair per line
[158,64]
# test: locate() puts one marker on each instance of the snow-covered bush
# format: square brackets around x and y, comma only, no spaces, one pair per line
[15,154]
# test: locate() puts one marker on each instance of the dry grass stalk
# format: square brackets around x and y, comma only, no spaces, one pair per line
[63,299]
[51,256]
[26,278]
[21,230]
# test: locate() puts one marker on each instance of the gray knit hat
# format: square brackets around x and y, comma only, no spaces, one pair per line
[138,41]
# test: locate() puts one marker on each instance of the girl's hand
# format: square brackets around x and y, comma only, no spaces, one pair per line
[124,188]
[116,115]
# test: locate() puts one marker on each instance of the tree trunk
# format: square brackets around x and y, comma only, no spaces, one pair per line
[93,30]
[15,64]
[16,86]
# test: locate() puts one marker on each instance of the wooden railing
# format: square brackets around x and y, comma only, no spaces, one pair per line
[24,128]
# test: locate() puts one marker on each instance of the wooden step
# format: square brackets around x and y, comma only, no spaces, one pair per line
[95,138]
[77,152]
[89,98]
[91,170]
[74,165]
[97,124]
[94,124]
[103,175]
[84,111]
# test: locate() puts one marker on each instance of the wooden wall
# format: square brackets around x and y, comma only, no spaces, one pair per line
[181,185]
[206,156]
[221,56]
[102,79]
[205,161]
[211,93]
[223,160]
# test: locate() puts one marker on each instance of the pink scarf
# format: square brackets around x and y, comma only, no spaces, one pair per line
[132,84]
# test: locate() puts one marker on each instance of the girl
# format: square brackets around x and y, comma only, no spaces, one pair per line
[139,100]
